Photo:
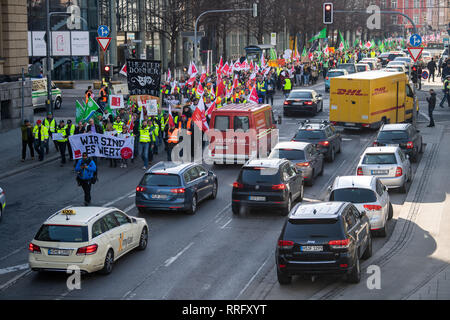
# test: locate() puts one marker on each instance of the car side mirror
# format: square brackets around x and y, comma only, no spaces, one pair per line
[133,220]
[203,173]
[329,188]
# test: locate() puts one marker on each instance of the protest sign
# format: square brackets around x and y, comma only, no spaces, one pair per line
[101,145]
[144,77]
[57,136]
[116,101]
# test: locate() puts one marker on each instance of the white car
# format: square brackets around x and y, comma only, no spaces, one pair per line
[426,56]
[368,194]
[389,164]
[91,238]
[361,67]
[396,69]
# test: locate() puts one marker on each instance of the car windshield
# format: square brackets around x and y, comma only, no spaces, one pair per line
[162,180]
[290,154]
[354,195]
[392,135]
[332,74]
[347,66]
[260,175]
[313,229]
[300,95]
[310,134]
[379,158]
[62,233]
[221,123]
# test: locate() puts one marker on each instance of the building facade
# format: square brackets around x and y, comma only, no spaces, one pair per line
[13,59]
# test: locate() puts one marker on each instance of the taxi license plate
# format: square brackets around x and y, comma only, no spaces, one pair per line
[350,124]
[253,198]
[159,196]
[378,172]
[59,252]
[311,248]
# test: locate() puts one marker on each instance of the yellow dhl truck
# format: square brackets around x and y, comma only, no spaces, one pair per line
[369,99]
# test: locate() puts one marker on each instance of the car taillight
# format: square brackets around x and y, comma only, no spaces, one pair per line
[177,190]
[303,164]
[333,123]
[140,189]
[237,185]
[34,248]
[286,103]
[375,143]
[339,244]
[281,186]
[87,250]
[398,172]
[324,143]
[409,145]
[308,103]
[326,78]
[285,244]
[359,172]
[372,207]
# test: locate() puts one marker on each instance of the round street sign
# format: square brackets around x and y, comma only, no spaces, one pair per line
[425,75]
[103,31]
[415,40]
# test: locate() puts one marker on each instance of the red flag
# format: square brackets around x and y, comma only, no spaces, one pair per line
[211,108]
[124,70]
[192,70]
[190,82]
[169,76]
[253,96]
[237,66]
[200,90]
[226,69]
[171,122]
[235,82]
[203,77]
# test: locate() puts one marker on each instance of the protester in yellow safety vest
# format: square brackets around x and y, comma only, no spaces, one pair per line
[117,125]
[287,87]
[50,124]
[144,142]
[62,130]
[41,136]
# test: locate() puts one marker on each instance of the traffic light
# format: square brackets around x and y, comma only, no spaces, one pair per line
[414,75]
[107,69]
[328,13]
[133,53]
[107,72]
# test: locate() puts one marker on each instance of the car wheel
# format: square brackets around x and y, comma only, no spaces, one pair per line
[288,207]
[143,240]
[321,170]
[58,103]
[368,253]
[109,262]
[214,191]
[331,155]
[193,207]
[283,279]
[355,274]
[390,212]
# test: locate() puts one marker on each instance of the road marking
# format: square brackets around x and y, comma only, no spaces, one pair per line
[425,116]
[13,280]
[251,279]
[129,208]
[132,195]
[223,227]
[10,254]
[119,198]
[174,258]
[14,268]
[346,139]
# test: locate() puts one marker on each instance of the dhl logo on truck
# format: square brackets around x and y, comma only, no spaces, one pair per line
[350,92]
[379,91]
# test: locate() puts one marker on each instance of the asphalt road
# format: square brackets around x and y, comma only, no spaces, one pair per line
[211,255]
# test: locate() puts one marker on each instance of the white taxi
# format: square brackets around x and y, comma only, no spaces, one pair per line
[91,238]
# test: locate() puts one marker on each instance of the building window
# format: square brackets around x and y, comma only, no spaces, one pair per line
[416,19]
[394,20]
[416,3]
[383,4]
[393,4]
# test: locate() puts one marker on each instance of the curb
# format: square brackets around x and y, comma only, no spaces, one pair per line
[30,166]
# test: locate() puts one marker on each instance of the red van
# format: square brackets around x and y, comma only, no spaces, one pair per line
[239,132]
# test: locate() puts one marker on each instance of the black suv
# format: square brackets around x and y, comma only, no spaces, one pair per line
[404,135]
[324,135]
[323,238]
[267,183]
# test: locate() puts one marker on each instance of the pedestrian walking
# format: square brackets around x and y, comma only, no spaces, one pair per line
[124,135]
[431,104]
[431,66]
[50,124]
[172,140]
[61,129]
[27,139]
[144,143]
[41,136]
[446,91]
[85,170]
[70,131]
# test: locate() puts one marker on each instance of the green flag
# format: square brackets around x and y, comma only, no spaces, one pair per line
[342,37]
[304,52]
[321,35]
[79,111]
[91,108]
[273,54]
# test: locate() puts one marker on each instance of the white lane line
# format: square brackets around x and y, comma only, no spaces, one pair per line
[118,199]
[132,195]
[223,227]
[346,139]
[425,115]
[252,278]
[10,254]
[174,258]
[13,280]
[129,208]
[14,268]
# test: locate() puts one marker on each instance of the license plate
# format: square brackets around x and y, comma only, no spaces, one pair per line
[311,248]
[392,145]
[349,124]
[159,196]
[380,172]
[297,103]
[253,198]
[59,252]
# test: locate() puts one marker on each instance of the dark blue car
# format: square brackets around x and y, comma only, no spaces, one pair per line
[178,187]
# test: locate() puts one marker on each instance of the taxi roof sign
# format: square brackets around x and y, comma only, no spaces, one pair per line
[68,211]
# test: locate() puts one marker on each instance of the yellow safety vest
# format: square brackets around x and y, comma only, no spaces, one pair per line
[144,134]
[63,132]
[44,132]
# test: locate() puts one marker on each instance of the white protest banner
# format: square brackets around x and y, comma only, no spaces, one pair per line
[100,145]
[116,101]
[151,106]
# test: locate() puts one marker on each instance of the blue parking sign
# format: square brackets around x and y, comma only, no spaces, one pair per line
[415,40]
[103,31]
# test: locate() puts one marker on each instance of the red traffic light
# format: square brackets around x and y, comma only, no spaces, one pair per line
[107,68]
[327,7]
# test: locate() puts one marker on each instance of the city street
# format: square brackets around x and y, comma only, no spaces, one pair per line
[211,255]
